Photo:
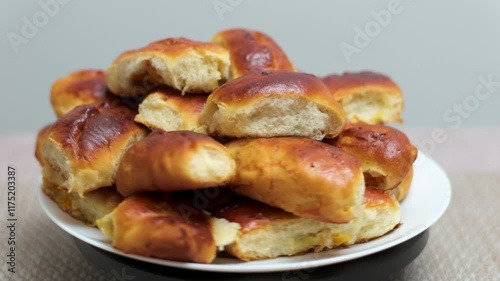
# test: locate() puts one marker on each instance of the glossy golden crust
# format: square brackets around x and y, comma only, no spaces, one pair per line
[169,110]
[252,52]
[91,128]
[307,178]
[78,88]
[340,84]
[255,86]
[251,214]
[402,190]
[367,96]
[180,63]
[178,160]
[154,225]
[175,47]
[82,148]
[386,153]
[265,93]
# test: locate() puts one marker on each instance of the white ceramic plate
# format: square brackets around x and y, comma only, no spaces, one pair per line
[428,199]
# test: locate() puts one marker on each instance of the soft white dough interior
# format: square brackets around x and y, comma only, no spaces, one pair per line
[211,165]
[195,72]
[224,232]
[275,116]
[371,107]
[156,113]
[58,169]
[378,222]
[291,237]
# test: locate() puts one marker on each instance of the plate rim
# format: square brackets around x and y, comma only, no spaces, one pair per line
[263,268]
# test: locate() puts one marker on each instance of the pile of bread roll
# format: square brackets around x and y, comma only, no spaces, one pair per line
[182,149]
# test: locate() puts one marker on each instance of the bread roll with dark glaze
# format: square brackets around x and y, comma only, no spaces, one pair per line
[94,205]
[386,153]
[268,232]
[180,63]
[168,110]
[85,87]
[178,160]
[271,104]
[78,88]
[82,149]
[252,52]
[305,177]
[155,225]
[367,96]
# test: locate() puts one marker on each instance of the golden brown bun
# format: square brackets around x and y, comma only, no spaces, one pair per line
[178,160]
[94,205]
[401,191]
[40,139]
[168,110]
[386,153]
[155,225]
[305,177]
[85,87]
[252,52]
[269,232]
[270,104]
[82,149]
[78,88]
[367,96]
[188,66]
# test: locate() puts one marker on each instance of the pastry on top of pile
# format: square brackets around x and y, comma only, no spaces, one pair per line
[186,65]
[273,104]
[252,52]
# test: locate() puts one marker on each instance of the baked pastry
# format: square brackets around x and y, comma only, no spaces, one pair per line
[386,153]
[82,149]
[94,205]
[252,52]
[168,110]
[155,225]
[178,160]
[78,88]
[367,96]
[40,139]
[304,177]
[268,232]
[402,190]
[185,65]
[271,104]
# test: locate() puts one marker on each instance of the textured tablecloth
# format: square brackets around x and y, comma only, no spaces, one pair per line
[463,244]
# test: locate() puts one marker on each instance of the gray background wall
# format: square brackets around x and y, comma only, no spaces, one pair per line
[437,51]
